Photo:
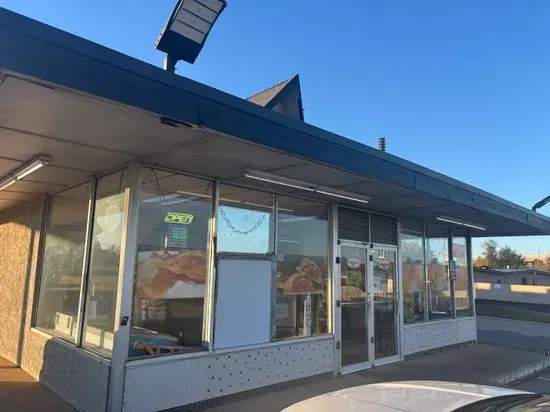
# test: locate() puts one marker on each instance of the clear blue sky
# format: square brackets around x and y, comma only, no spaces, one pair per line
[461,87]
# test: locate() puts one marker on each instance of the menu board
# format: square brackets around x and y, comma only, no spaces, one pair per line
[176,236]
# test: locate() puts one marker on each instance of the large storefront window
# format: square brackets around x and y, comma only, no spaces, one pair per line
[439,290]
[245,221]
[302,268]
[62,267]
[104,264]
[172,264]
[413,270]
[462,282]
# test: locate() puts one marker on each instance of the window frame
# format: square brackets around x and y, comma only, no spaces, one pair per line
[450,234]
[421,236]
[85,276]
[46,220]
[272,245]
[210,281]
[329,296]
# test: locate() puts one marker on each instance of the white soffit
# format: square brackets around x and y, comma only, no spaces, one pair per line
[318,174]
[77,118]
[224,157]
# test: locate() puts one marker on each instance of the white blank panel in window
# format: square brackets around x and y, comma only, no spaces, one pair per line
[243,302]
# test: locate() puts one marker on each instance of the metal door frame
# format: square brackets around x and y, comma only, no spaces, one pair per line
[397,294]
[369,308]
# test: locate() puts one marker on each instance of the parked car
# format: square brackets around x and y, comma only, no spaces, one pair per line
[424,396]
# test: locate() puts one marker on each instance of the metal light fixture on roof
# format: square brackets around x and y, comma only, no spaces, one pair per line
[23,171]
[459,222]
[309,187]
[185,33]
[541,203]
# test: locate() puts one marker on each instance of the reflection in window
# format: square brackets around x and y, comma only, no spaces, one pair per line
[245,221]
[104,264]
[61,278]
[462,282]
[302,268]
[439,292]
[170,284]
[414,287]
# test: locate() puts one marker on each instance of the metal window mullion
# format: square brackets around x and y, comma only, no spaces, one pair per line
[400,299]
[41,249]
[274,237]
[452,282]
[210,304]
[427,296]
[471,284]
[86,265]
[336,291]
[125,289]
[273,223]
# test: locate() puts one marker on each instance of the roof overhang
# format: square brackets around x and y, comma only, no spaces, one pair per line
[93,109]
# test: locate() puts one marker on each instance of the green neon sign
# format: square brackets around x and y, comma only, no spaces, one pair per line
[179,218]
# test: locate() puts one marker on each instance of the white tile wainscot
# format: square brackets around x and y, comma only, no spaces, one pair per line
[424,336]
[172,381]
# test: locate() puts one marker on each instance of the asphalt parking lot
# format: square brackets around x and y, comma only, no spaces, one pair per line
[538,384]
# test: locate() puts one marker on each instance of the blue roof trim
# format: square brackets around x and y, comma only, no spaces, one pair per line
[35,49]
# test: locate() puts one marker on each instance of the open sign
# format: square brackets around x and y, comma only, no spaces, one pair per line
[179,218]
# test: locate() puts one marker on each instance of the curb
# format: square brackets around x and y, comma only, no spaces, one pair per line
[523,372]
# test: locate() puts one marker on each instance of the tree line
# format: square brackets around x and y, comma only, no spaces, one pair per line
[504,257]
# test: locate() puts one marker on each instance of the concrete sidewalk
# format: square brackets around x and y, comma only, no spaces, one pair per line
[480,364]
[20,392]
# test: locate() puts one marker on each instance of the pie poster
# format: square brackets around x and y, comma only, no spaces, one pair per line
[171,275]
[302,275]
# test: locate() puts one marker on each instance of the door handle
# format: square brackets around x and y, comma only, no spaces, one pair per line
[370,300]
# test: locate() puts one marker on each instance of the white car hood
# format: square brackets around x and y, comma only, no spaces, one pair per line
[411,396]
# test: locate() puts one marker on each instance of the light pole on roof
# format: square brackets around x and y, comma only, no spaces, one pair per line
[541,203]
[185,32]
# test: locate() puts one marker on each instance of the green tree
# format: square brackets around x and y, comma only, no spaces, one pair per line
[538,264]
[490,252]
[480,261]
[507,257]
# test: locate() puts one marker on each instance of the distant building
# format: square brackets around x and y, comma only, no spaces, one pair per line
[525,276]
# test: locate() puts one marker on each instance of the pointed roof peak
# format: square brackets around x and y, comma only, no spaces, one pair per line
[264,97]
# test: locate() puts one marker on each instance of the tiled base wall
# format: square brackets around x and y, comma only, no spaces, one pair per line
[168,383]
[430,335]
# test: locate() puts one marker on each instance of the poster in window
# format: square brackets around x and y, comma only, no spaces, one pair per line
[171,275]
[302,275]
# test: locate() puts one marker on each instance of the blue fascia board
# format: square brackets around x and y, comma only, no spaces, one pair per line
[34,49]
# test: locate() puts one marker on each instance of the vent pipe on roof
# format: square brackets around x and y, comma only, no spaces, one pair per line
[382,144]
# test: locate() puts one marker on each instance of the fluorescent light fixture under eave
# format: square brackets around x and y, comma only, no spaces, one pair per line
[459,222]
[266,177]
[7,182]
[296,184]
[24,171]
[32,166]
[342,196]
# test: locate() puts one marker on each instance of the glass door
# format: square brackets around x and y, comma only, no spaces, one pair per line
[355,348]
[385,295]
